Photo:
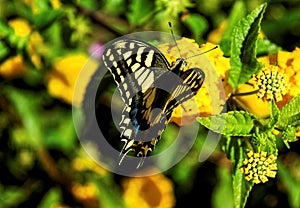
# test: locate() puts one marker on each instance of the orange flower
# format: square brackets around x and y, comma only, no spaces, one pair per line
[61,80]
[215,90]
[87,193]
[147,192]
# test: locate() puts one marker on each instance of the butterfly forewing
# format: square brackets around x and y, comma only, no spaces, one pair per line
[132,65]
[148,87]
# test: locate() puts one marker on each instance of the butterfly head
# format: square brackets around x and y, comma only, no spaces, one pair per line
[179,66]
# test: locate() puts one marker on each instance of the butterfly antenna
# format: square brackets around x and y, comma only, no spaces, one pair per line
[173,37]
[202,52]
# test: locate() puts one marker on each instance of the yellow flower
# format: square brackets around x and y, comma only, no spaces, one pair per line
[62,79]
[34,48]
[215,35]
[56,4]
[258,167]
[35,45]
[20,26]
[147,192]
[287,66]
[251,102]
[87,163]
[13,67]
[211,97]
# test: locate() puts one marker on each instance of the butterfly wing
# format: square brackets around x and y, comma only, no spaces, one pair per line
[133,65]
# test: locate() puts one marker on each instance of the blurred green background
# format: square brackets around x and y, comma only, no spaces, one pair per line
[43,45]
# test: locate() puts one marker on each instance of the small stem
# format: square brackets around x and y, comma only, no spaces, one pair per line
[244,93]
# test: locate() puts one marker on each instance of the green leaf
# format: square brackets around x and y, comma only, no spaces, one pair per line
[5,30]
[61,133]
[197,24]
[243,60]
[11,196]
[233,123]
[25,104]
[236,152]
[290,113]
[45,18]
[264,141]
[92,5]
[292,185]
[265,47]
[274,114]
[237,12]
[52,197]
[278,29]
[139,11]
[4,51]
[115,7]
[241,189]
[289,135]
[111,197]
[223,194]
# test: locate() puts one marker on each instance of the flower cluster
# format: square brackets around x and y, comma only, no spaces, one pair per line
[212,95]
[271,84]
[258,167]
[280,83]
[14,66]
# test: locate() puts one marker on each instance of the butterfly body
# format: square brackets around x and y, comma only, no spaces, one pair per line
[150,88]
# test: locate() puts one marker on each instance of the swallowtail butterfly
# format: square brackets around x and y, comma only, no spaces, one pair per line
[146,82]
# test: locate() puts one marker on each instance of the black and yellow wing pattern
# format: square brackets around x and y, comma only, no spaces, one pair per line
[150,88]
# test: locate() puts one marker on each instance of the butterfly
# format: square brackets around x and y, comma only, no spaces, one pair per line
[151,88]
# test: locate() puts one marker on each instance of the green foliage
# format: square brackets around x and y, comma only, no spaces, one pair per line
[237,12]
[241,187]
[290,113]
[46,18]
[222,195]
[197,24]
[53,196]
[238,127]
[234,123]
[39,146]
[138,13]
[292,186]
[243,60]
[265,46]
